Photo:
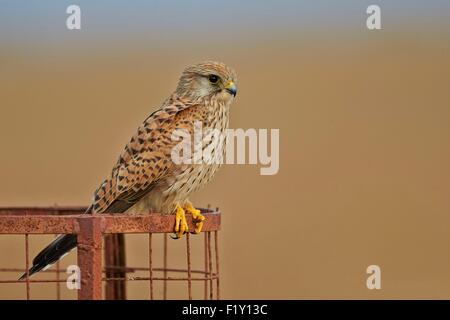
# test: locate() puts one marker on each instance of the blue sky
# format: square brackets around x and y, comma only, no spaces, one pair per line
[28,22]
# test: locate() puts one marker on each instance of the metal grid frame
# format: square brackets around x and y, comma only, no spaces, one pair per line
[92,228]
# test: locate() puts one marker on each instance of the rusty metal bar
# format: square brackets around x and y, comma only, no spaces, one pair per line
[38,224]
[108,259]
[123,269]
[121,258]
[150,263]
[27,265]
[216,247]
[32,281]
[206,266]
[153,223]
[90,258]
[118,223]
[165,267]
[58,271]
[213,276]
[211,289]
[188,253]
[23,270]
[114,256]
[160,279]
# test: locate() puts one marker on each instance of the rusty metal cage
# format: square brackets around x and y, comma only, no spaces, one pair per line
[102,236]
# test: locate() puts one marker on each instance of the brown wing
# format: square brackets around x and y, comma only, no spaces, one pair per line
[146,159]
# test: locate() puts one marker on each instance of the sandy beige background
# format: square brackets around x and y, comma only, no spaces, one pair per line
[364,151]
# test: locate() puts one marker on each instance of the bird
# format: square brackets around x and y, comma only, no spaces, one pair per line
[145,178]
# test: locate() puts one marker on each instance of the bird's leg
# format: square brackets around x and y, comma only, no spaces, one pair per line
[181,226]
[197,217]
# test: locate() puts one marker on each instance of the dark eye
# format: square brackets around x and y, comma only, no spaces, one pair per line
[213,78]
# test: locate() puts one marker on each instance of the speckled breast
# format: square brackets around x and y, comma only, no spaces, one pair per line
[192,177]
[187,178]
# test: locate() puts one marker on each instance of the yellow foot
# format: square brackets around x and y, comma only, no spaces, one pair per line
[181,226]
[197,217]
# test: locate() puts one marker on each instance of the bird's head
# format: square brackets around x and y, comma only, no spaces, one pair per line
[210,80]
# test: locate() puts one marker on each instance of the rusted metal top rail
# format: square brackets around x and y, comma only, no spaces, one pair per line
[111,223]
[65,220]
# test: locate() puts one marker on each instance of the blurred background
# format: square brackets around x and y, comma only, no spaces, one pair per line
[364,134]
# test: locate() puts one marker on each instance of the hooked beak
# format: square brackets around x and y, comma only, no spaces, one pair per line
[231,88]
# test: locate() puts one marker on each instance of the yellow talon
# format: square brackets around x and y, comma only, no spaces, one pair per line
[197,217]
[181,226]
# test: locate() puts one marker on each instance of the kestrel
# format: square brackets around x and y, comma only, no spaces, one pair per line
[145,178]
